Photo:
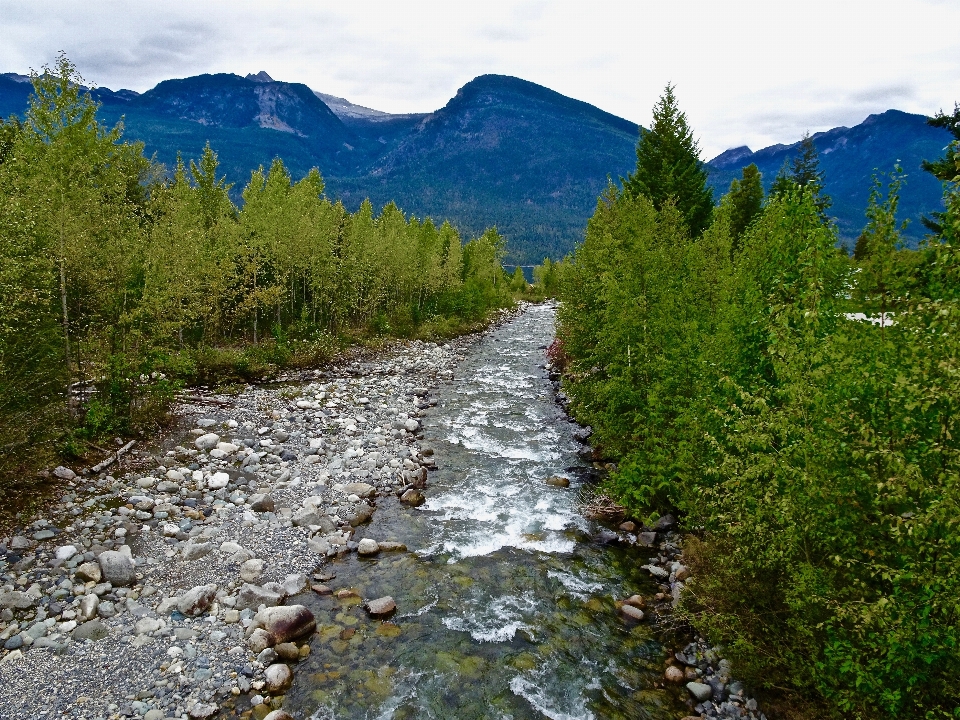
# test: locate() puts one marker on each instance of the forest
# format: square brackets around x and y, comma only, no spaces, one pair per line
[797,407]
[122,280]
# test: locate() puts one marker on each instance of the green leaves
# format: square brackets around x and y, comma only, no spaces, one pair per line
[818,455]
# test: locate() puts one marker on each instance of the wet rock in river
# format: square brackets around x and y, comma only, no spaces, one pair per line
[700,691]
[557,481]
[288,622]
[381,606]
[673,674]
[413,498]
[368,547]
[252,596]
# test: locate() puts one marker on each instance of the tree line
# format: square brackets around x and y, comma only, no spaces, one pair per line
[717,353]
[120,280]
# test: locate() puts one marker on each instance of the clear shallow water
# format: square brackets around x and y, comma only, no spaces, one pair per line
[506,606]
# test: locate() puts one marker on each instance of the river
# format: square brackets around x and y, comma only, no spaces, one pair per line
[506,602]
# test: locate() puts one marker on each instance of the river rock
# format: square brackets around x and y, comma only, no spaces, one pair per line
[361,513]
[360,489]
[637,601]
[218,481]
[647,539]
[392,546]
[277,678]
[288,622]
[700,691]
[413,498]
[64,473]
[91,630]
[196,550]
[15,599]
[278,715]
[252,596]
[557,481]
[673,674]
[306,516]
[294,584]
[118,568]
[87,609]
[381,606]
[201,711]
[251,570]
[65,552]
[262,502]
[207,442]
[367,547]
[259,641]
[197,600]
[634,613]
[411,425]
[288,651]
[20,542]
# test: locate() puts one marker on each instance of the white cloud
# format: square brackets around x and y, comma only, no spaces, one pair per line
[751,72]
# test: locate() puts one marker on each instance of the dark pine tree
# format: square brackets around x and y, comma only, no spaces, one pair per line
[804,172]
[669,166]
[746,201]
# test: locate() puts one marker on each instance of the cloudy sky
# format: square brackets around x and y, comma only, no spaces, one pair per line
[752,72]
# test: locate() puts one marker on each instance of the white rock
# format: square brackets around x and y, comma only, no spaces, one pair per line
[368,547]
[64,473]
[218,480]
[170,530]
[175,475]
[207,442]
[66,552]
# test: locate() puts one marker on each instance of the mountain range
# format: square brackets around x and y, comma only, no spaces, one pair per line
[502,151]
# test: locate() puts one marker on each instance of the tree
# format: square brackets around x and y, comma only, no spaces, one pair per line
[746,200]
[804,172]
[669,166]
[944,168]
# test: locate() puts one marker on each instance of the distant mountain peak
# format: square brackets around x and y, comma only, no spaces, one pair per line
[261,76]
[16,77]
[731,157]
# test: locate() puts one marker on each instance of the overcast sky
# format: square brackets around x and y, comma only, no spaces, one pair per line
[752,72]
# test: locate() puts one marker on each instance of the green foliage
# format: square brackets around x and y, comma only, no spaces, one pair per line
[669,167]
[818,456]
[945,169]
[746,201]
[125,284]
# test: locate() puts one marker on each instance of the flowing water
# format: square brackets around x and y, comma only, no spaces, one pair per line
[506,604]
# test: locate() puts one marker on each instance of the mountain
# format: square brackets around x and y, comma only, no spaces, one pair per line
[509,153]
[502,152]
[849,158]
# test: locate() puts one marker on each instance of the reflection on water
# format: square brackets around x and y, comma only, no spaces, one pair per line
[506,607]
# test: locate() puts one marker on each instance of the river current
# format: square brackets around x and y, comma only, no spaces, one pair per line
[506,600]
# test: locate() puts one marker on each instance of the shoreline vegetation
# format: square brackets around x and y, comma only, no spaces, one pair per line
[123,282]
[813,459]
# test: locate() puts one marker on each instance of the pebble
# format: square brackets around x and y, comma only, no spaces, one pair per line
[381,606]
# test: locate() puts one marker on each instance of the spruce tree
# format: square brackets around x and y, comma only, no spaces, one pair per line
[669,166]
[746,201]
[804,172]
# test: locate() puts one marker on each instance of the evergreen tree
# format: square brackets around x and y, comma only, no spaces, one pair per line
[746,201]
[944,168]
[669,166]
[804,172]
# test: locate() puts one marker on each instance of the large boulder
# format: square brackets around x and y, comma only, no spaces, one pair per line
[362,512]
[118,568]
[288,622]
[360,489]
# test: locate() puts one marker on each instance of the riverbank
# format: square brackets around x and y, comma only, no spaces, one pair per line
[131,596]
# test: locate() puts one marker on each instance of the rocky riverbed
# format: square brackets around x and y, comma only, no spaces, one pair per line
[181,585]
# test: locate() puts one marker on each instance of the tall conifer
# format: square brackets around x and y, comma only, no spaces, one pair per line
[669,166]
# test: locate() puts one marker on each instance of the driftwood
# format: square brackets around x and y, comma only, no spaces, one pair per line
[112,458]
[600,507]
